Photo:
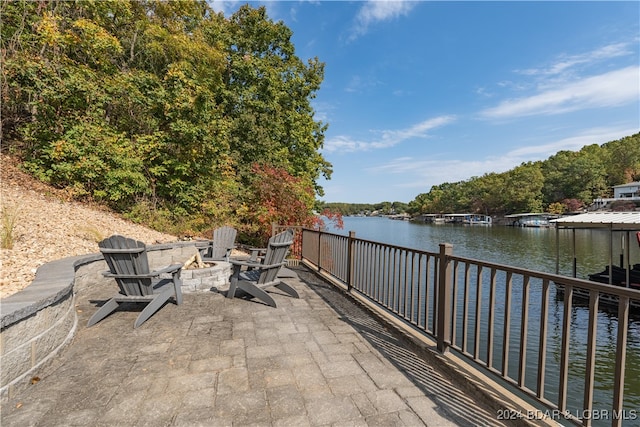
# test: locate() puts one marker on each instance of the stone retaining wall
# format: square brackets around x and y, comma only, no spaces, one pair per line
[39,321]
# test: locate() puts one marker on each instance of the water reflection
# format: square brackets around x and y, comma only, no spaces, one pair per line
[533,249]
[530,248]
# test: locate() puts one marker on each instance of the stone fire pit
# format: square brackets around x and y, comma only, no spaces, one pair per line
[203,279]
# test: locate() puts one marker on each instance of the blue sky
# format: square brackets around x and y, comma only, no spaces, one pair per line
[421,93]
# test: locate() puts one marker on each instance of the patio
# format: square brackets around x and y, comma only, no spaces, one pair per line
[317,360]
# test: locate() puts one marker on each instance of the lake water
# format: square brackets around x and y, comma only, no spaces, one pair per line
[534,249]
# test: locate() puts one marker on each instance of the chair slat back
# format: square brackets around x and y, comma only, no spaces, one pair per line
[277,251]
[126,256]
[223,239]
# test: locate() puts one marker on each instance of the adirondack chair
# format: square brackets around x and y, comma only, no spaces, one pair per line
[264,273]
[257,254]
[219,249]
[129,266]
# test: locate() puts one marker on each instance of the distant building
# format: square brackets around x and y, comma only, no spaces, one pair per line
[624,192]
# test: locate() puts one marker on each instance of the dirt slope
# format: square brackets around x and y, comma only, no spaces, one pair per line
[49,227]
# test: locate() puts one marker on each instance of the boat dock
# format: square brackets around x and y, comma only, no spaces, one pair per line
[531,219]
[453,218]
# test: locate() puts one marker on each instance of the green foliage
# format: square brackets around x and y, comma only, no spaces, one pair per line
[159,109]
[580,175]
[523,189]
[266,98]
[565,182]
[382,208]
[622,160]
[556,208]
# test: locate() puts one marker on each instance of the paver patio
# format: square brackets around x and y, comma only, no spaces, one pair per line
[315,361]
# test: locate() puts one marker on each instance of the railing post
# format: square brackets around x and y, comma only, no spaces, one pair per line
[443,331]
[352,235]
[319,250]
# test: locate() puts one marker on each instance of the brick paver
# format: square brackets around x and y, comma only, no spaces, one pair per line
[315,361]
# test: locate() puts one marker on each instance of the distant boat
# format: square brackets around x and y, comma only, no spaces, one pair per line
[475,219]
[468,219]
[622,223]
[402,216]
[531,219]
[432,218]
[619,276]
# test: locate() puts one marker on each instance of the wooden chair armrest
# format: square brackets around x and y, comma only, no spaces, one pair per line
[170,269]
[257,265]
[129,276]
[280,264]
[247,263]
[255,252]
[277,245]
[282,244]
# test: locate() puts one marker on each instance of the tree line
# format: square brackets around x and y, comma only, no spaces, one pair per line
[165,111]
[382,208]
[565,182]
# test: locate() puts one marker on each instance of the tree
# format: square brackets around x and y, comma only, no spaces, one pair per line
[400,207]
[157,109]
[276,197]
[575,175]
[419,204]
[486,193]
[623,160]
[556,208]
[267,98]
[523,192]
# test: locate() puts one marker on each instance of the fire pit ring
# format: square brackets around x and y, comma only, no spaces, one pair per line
[213,277]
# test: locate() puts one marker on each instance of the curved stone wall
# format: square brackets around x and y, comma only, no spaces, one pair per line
[39,321]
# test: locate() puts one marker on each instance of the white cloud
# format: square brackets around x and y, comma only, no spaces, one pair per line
[610,89]
[569,61]
[425,173]
[441,170]
[393,137]
[388,138]
[376,11]
[563,85]
[573,143]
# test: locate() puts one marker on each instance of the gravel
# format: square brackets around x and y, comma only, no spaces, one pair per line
[48,226]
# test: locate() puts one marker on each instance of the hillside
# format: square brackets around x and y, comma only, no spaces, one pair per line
[48,227]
